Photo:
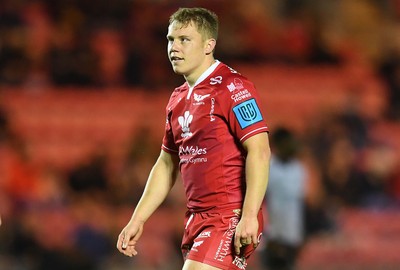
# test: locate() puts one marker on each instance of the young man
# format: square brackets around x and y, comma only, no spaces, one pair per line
[216,136]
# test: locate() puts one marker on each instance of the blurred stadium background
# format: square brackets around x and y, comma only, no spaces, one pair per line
[83,85]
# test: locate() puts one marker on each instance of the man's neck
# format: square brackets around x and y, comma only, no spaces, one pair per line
[191,80]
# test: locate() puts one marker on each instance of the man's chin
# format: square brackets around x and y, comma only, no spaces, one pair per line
[177,71]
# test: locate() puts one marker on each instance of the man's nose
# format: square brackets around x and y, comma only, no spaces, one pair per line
[174,46]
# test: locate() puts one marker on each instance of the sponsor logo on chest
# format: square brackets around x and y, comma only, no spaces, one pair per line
[199,99]
[192,154]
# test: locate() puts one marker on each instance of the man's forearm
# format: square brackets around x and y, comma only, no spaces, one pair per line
[160,181]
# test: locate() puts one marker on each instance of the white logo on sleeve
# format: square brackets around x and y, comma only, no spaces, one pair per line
[237,84]
[185,121]
[231,87]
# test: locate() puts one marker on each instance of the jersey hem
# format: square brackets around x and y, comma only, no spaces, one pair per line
[216,209]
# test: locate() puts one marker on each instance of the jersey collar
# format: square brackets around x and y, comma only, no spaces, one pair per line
[203,77]
[207,73]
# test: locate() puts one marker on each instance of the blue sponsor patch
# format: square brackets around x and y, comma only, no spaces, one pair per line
[247,113]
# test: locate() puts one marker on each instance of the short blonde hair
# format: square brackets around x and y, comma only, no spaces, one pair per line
[205,20]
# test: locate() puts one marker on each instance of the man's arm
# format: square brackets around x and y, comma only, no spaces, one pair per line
[161,179]
[257,171]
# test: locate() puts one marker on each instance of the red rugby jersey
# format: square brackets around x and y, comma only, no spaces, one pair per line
[206,126]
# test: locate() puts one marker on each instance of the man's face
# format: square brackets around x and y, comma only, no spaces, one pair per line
[186,50]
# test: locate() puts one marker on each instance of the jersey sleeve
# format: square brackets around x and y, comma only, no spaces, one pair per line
[168,144]
[241,107]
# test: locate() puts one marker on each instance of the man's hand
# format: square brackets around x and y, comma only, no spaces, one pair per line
[128,238]
[246,233]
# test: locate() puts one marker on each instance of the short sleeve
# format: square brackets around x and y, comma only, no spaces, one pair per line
[168,144]
[241,106]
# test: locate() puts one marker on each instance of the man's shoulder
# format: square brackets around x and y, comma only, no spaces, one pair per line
[228,79]
[183,87]
[179,90]
[177,94]
[228,75]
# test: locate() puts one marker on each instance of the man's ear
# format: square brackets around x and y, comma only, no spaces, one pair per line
[210,46]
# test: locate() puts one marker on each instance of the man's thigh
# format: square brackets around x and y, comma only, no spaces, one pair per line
[193,265]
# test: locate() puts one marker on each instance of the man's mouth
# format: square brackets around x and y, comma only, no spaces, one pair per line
[175,59]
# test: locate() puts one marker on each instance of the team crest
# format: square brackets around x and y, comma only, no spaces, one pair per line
[185,122]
